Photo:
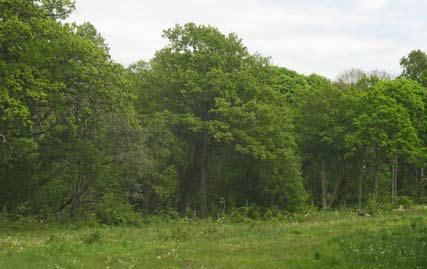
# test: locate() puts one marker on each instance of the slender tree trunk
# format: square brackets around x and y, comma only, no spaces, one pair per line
[376,181]
[184,175]
[360,193]
[338,180]
[422,182]
[392,183]
[147,199]
[204,176]
[323,184]
[79,191]
[394,180]
[396,169]
[335,191]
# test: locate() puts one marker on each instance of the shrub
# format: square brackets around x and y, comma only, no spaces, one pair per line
[268,214]
[92,237]
[374,206]
[404,201]
[114,211]
[238,215]
[4,216]
[253,212]
[24,223]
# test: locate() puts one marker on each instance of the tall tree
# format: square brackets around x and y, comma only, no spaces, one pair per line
[321,120]
[216,93]
[386,124]
[57,82]
[415,66]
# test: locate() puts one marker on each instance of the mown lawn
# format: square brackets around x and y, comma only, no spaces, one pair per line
[333,240]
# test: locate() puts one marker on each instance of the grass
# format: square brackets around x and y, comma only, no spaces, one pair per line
[320,240]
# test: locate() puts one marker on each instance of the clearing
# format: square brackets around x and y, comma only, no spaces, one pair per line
[319,240]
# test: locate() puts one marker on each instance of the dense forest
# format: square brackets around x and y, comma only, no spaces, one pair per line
[203,128]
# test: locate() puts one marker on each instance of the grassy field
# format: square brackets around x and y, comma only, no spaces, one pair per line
[333,240]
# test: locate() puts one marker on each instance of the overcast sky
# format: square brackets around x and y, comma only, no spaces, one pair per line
[309,36]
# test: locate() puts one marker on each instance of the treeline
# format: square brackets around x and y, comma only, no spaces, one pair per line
[200,129]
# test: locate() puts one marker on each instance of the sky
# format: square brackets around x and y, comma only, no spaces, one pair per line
[325,37]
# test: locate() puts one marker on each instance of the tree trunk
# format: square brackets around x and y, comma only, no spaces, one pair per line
[360,193]
[184,175]
[422,182]
[376,181]
[79,191]
[204,176]
[338,180]
[394,181]
[323,184]
[335,191]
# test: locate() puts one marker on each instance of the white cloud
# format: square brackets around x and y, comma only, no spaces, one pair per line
[371,5]
[321,36]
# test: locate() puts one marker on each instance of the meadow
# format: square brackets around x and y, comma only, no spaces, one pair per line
[315,240]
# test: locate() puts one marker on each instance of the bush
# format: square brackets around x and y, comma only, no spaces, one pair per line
[114,211]
[253,212]
[268,214]
[373,206]
[238,215]
[92,237]
[4,216]
[404,201]
[25,223]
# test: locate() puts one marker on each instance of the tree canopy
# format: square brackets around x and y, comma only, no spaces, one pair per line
[203,128]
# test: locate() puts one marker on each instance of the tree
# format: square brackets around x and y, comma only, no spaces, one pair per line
[351,77]
[386,124]
[415,66]
[57,82]
[289,83]
[321,121]
[216,94]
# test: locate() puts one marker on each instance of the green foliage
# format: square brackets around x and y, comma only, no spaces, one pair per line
[389,107]
[289,83]
[114,211]
[84,139]
[373,206]
[415,66]
[57,82]
[92,237]
[213,92]
[253,212]
[404,201]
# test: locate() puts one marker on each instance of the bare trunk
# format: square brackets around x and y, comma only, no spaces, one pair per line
[79,191]
[323,185]
[392,183]
[147,199]
[376,182]
[184,174]
[394,180]
[335,191]
[422,182]
[396,169]
[360,193]
[338,180]
[204,176]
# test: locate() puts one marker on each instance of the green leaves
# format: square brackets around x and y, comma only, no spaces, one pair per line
[57,82]
[415,66]
[209,87]
[388,117]
[203,114]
